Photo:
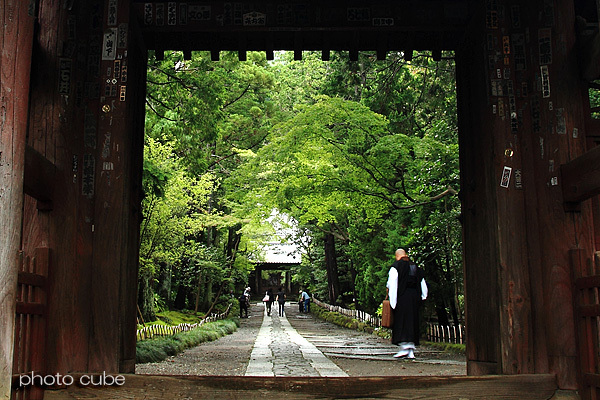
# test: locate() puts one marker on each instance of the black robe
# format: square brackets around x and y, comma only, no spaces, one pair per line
[406,313]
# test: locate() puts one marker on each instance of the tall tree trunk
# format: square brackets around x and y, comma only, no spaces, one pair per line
[146,297]
[198,291]
[209,230]
[353,283]
[333,283]
[454,313]
[164,283]
[233,243]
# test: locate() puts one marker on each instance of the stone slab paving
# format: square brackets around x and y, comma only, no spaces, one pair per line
[276,352]
[279,350]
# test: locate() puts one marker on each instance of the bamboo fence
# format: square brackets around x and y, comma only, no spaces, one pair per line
[435,332]
[148,332]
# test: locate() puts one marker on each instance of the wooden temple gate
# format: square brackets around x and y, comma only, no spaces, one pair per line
[72,86]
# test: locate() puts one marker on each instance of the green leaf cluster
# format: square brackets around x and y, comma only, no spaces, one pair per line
[363,152]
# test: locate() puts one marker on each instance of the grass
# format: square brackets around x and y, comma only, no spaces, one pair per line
[174,318]
[347,322]
[159,348]
[180,317]
[453,348]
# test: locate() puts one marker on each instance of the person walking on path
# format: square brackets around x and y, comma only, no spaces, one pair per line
[244,300]
[269,301]
[305,299]
[281,301]
[406,288]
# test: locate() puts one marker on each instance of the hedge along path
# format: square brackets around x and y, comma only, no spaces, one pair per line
[356,314]
[149,332]
[161,347]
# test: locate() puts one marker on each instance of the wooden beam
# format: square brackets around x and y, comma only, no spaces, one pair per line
[588,310]
[28,278]
[16,39]
[39,176]
[298,46]
[592,128]
[588,282]
[30,308]
[242,48]
[581,177]
[269,48]
[542,386]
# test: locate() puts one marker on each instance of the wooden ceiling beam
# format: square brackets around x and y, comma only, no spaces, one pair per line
[298,46]
[269,48]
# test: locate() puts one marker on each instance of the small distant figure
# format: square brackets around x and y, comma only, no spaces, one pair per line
[300,302]
[268,299]
[305,299]
[244,300]
[406,287]
[281,301]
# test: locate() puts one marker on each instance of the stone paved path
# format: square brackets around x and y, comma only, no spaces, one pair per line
[301,345]
[280,350]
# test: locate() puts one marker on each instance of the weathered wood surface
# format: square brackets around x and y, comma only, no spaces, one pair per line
[519,387]
[55,132]
[30,331]
[581,177]
[324,26]
[477,195]
[16,37]
[116,219]
[93,226]
[587,312]
[134,108]
[39,178]
[517,235]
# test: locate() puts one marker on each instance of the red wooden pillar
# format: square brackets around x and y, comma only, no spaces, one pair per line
[520,114]
[15,44]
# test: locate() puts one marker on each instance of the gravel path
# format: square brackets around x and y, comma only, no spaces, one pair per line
[356,353]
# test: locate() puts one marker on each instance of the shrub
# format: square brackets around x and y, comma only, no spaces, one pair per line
[454,348]
[159,348]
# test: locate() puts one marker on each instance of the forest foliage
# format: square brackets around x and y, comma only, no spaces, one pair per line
[361,155]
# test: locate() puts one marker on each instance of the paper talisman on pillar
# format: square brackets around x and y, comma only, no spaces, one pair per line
[505,181]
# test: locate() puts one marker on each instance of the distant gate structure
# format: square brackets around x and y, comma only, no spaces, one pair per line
[72,85]
[276,257]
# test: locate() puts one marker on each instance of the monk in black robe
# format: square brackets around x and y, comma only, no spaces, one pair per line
[406,288]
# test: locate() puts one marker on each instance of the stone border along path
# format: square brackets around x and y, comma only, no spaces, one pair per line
[280,350]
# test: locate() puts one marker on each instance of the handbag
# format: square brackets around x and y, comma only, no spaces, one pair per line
[266,298]
[387,316]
